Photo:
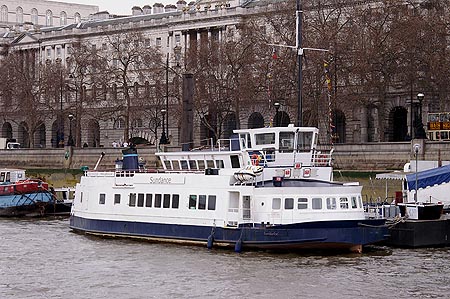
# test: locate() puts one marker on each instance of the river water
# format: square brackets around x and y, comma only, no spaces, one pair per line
[42,258]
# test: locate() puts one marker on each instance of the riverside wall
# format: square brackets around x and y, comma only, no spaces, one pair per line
[377,156]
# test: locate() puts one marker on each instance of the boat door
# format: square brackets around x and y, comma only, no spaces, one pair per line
[233,209]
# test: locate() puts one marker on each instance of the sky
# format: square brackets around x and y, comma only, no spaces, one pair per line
[120,7]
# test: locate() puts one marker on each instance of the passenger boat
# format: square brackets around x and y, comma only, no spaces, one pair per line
[20,196]
[267,188]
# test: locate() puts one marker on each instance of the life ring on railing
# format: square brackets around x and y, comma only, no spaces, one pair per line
[255,159]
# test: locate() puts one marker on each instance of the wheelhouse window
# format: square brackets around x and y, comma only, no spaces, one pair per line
[343,202]
[331,203]
[176,165]
[210,163]
[192,165]
[102,198]
[192,202]
[354,202]
[235,161]
[201,164]
[167,164]
[184,165]
[317,203]
[276,203]
[219,164]
[266,138]
[132,201]
[286,140]
[302,203]
[304,141]
[288,203]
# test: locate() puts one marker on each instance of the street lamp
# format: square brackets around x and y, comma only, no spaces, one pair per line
[277,107]
[416,153]
[70,140]
[163,139]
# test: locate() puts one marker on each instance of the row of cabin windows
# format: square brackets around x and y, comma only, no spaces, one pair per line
[317,203]
[165,201]
[200,164]
[286,140]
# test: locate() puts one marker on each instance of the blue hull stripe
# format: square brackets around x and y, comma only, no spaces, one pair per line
[346,233]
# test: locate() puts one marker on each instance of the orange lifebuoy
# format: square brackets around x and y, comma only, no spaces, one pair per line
[255,159]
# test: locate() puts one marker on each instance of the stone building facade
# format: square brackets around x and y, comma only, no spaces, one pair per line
[172,29]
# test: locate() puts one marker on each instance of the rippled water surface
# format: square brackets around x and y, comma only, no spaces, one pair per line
[44,259]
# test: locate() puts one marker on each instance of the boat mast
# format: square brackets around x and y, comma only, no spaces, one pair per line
[299,14]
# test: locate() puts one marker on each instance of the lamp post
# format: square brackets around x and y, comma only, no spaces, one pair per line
[60,137]
[70,140]
[163,139]
[416,153]
[277,107]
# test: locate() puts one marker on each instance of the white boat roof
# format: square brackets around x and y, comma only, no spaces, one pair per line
[290,128]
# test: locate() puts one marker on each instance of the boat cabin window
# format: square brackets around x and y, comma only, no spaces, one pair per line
[148,200]
[102,198]
[175,201]
[245,140]
[140,201]
[235,161]
[192,164]
[175,165]
[8,176]
[210,164]
[167,164]
[201,164]
[2,177]
[158,200]
[304,141]
[276,203]
[360,201]
[354,203]
[331,203]
[286,142]
[192,202]
[266,138]
[343,202]
[302,203]
[81,197]
[202,202]
[211,202]
[166,201]
[219,164]
[132,200]
[288,203]
[116,199]
[184,165]
[317,203]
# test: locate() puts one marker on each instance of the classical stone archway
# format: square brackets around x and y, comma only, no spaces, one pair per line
[398,124]
[256,120]
[338,126]
[229,124]
[93,134]
[7,130]
[39,136]
[23,136]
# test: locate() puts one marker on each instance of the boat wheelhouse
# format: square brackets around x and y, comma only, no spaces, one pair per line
[263,188]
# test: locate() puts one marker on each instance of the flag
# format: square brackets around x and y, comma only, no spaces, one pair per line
[274,54]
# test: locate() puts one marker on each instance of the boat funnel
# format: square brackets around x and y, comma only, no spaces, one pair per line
[130,159]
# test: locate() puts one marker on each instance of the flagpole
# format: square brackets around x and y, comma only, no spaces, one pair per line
[299,14]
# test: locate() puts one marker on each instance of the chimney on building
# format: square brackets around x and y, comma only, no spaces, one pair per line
[136,11]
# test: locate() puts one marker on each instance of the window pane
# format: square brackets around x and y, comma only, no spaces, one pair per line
[201,164]
[166,201]
[192,202]
[176,165]
[116,199]
[102,199]
[317,203]
[286,142]
[211,202]
[140,202]
[210,163]
[202,202]
[343,202]
[302,203]
[331,203]
[268,138]
[167,164]
[192,165]
[288,203]
[157,200]
[175,201]
[132,202]
[354,205]
[276,203]
[148,200]
[219,164]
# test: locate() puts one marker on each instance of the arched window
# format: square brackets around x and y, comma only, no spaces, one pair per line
[34,16]
[119,124]
[77,18]
[19,15]
[49,18]
[63,18]
[4,14]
